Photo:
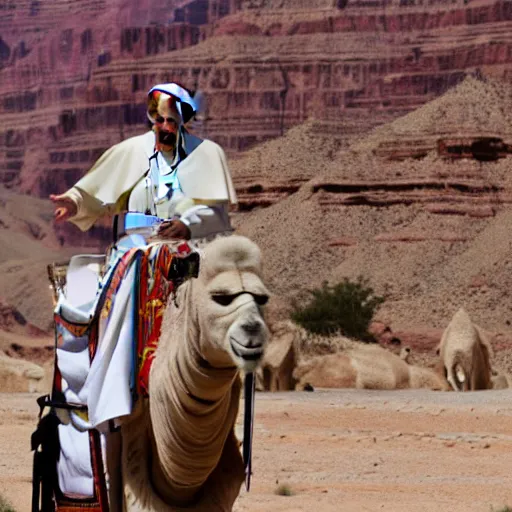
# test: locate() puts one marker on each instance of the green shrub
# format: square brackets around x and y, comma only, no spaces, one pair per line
[347,307]
[503,509]
[5,506]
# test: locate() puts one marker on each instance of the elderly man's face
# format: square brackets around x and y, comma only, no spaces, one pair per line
[167,124]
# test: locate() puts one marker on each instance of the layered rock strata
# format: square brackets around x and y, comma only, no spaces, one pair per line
[429,232]
[74,74]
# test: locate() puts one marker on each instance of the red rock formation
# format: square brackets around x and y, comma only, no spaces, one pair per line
[11,320]
[344,242]
[79,70]
[74,76]
[425,339]
[253,196]
[423,227]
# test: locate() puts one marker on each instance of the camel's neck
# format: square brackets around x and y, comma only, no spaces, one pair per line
[193,409]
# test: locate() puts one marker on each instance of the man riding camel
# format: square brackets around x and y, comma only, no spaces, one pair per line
[183,184]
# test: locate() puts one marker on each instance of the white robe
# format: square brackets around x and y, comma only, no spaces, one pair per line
[118,181]
[203,175]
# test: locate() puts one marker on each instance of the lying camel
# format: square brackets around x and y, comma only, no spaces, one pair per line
[179,449]
[421,377]
[465,352]
[288,343]
[365,367]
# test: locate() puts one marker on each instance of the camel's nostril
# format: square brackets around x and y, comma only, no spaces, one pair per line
[252,327]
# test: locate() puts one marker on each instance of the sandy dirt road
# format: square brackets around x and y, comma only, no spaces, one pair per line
[344,450]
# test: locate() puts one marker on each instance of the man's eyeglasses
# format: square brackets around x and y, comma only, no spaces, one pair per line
[162,120]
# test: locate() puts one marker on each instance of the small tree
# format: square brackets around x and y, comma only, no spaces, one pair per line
[347,307]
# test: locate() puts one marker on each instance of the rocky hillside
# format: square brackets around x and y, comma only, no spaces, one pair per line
[430,229]
[74,73]
[368,138]
[28,243]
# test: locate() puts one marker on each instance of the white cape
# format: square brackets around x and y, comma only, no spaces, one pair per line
[203,175]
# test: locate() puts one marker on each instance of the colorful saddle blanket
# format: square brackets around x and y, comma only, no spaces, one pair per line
[102,364]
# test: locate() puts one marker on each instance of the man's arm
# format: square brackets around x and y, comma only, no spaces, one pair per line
[102,191]
[80,208]
[206,221]
[66,205]
[199,221]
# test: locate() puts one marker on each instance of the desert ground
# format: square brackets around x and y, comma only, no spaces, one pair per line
[350,450]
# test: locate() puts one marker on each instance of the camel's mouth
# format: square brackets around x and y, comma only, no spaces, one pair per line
[247,353]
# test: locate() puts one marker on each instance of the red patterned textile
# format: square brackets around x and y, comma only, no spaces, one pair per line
[154,290]
[154,285]
[99,502]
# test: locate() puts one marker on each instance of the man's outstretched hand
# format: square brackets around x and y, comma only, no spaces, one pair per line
[65,207]
[174,229]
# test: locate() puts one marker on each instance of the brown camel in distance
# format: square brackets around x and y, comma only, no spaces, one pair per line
[466,353]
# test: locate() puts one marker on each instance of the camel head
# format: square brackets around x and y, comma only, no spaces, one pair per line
[230,295]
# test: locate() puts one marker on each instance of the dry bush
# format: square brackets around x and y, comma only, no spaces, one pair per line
[316,345]
[284,490]
[5,505]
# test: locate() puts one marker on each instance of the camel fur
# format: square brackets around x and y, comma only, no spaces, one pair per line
[365,367]
[178,448]
[466,353]
[280,359]
[420,377]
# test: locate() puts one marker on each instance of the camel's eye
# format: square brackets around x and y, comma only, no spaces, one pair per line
[261,300]
[223,299]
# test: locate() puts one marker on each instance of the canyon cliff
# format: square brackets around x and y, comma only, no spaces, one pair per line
[74,73]
[349,156]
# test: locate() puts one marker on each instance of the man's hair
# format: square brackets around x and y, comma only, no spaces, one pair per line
[155,100]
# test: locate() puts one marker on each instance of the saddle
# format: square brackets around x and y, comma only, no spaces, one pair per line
[89,291]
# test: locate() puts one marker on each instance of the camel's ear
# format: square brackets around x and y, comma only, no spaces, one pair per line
[405,352]
[438,349]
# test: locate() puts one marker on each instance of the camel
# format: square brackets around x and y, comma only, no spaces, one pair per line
[420,377]
[280,359]
[365,367]
[465,352]
[178,447]
[288,344]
